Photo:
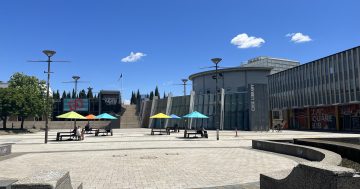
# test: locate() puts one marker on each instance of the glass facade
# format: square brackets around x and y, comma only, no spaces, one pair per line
[330,80]
[322,95]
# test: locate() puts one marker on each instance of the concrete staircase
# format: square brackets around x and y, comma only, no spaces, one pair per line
[129,119]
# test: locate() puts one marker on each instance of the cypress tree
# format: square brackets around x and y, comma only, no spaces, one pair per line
[63,95]
[151,96]
[157,91]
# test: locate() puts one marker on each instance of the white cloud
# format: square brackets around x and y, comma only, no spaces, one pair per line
[133,57]
[244,41]
[299,37]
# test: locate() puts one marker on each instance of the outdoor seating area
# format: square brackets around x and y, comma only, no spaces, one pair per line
[187,132]
[78,133]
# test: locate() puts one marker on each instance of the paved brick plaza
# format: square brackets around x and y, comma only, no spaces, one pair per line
[134,159]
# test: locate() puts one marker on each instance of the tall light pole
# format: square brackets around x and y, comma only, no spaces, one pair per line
[49,54]
[216,61]
[184,83]
[76,78]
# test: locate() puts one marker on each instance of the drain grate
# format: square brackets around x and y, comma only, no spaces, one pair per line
[172,154]
[148,157]
[120,155]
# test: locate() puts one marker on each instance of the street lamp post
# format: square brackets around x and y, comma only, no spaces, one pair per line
[184,81]
[76,78]
[49,54]
[216,61]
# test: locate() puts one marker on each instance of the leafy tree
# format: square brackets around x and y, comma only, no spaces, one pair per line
[29,96]
[157,91]
[89,93]
[7,104]
[63,95]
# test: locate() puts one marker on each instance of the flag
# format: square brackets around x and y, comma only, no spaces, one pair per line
[120,77]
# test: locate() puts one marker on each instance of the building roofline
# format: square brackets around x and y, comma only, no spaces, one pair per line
[314,60]
[269,57]
[230,70]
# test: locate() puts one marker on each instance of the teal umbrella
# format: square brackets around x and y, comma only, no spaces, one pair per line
[173,116]
[195,114]
[105,116]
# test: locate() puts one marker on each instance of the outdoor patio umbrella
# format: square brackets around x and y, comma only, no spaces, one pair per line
[160,116]
[105,116]
[91,116]
[195,114]
[71,115]
[173,116]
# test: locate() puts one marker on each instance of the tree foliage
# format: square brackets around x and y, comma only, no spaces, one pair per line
[29,96]
[7,104]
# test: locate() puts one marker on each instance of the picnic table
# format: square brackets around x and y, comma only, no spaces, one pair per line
[89,130]
[104,131]
[174,129]
[202,133]
[160,131]
[70,134]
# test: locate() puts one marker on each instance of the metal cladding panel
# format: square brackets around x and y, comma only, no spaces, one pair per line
[258,107]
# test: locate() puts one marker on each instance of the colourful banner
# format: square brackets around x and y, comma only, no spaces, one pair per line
[77,105]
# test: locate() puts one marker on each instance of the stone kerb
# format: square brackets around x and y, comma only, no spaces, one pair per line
[5,149]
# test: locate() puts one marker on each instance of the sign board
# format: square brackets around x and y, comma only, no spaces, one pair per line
[80,105]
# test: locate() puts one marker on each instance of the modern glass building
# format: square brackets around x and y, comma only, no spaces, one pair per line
[242,101]
[322,94]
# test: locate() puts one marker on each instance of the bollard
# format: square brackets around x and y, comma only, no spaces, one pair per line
[217,134]
[236,133]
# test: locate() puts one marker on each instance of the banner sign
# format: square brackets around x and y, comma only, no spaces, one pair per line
[323,118]
[80,105]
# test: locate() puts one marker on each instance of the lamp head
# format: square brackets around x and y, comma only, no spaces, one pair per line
[75,77]
[49,53]
[216,60]
[184,80]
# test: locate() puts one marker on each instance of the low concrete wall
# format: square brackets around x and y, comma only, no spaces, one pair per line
[63,124]
[47,180]
[311,175]
[309,153]
[347,150]
[5,149]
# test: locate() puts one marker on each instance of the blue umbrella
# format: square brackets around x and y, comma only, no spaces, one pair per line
[195,114]
[105,116]
[173,116]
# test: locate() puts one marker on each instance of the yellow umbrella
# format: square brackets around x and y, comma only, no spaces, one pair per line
[71,115]
[160,116]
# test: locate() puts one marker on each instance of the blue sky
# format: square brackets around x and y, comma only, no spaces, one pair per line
[173,38]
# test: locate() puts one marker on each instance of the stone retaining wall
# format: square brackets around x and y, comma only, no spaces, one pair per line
[345,149]
[309,153]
